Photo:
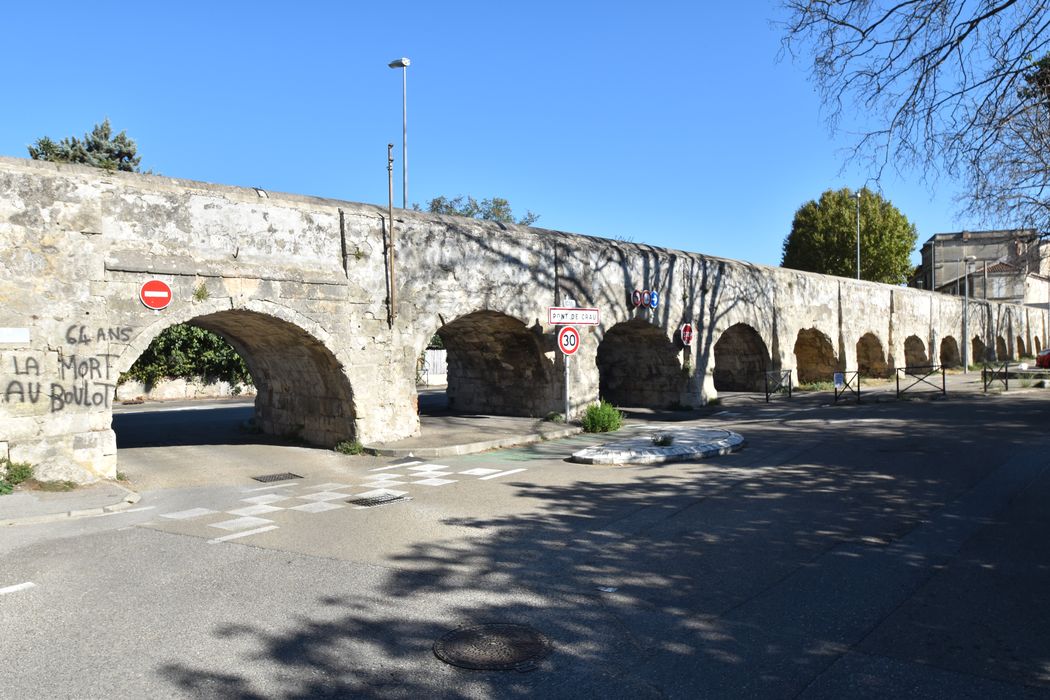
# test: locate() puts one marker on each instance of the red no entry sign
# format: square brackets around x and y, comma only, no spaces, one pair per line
[155,294]
[568,340]
[687,333]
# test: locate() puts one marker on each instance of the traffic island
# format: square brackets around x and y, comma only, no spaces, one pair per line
[686,444]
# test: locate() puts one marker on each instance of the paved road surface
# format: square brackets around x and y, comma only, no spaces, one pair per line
[883,550]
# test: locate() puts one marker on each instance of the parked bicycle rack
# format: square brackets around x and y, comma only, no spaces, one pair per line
[778,382]
[921,375]
[847,383]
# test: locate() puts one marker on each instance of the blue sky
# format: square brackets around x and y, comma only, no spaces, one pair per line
[669,123]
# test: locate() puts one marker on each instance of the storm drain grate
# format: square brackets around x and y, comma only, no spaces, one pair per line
[493,647]
[283,476]
[380,500]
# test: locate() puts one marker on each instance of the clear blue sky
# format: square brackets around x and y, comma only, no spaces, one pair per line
[669,123]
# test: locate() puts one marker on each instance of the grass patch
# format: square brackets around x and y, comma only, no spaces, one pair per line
[602,417]
[815,386]
[349,447]
[52,485]
[554,417]
[662,439]
[12,474]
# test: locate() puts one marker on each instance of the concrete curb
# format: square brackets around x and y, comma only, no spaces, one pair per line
[130,498]
[474,447]
[699,444]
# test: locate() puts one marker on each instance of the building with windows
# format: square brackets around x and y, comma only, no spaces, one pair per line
[1008,266]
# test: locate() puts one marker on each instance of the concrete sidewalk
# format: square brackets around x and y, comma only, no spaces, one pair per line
[25,506]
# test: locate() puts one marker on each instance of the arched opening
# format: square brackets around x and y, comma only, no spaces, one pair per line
[741,360]
[1001,351]
[1021,352]
[814,357]
[871,358]
[638,366]
[496,365]
[302,393]
[979,350]
[915,352]
[1038,347]
[950,356]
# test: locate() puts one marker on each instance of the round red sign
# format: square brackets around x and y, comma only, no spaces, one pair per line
[155,294]
[687,333]
[568,340]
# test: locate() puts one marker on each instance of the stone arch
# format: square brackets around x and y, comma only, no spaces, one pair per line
[497,365]
[1038,348]
[741,359]
[638,365]
[1021,351]
[1001,351]
[979,350]
[815,359]
[915,352]
[302,388]
[871,358]
[949,354]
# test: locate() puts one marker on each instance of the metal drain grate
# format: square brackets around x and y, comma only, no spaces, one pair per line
[380,500]
[493,647]
[283,476]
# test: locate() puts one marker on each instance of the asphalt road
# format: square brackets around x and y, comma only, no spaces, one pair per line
[882,550]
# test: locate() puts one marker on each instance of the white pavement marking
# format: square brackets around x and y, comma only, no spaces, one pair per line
[434,482]
[18,587]
[268,498]
[385,482]
[269,488]
[428,468]
[188,514]
[394,466]
[496,476]
[317,507]
[323,496]
[240,523]
[257,509]
[379,477]
[479,472]
[237,535]
[327,487]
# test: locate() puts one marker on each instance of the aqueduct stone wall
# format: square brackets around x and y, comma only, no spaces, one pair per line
[299,286]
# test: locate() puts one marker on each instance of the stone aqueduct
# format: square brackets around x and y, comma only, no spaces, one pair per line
[298,285]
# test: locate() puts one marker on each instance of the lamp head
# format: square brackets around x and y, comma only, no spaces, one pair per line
[400,63]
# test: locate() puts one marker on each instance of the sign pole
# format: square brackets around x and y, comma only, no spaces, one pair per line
[566,388]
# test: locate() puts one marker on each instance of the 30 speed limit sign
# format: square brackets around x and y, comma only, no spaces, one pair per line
[568,340]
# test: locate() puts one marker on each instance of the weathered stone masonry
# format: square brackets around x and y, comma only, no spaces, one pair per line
[298,285]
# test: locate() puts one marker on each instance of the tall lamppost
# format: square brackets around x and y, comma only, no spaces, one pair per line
[403,64]
[857,195]
[966,313]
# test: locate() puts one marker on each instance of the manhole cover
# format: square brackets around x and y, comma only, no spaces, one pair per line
[493,647]
[380,500]
[283,476]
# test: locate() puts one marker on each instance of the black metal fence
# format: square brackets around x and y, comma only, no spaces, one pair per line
[920,378]
[847,384]
[778,382]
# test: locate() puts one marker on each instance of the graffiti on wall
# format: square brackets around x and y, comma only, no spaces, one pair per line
[86,378]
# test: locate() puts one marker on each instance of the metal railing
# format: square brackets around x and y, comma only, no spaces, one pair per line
[990,374]
[847,383]
[778,382]
[921,378]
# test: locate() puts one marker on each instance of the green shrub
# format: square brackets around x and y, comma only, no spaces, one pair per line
[662,439]
[554,417]
[17,472]
[602,417]
[350,447]
[185,352]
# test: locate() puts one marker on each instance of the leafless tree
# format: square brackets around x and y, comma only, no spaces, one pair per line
[944,86]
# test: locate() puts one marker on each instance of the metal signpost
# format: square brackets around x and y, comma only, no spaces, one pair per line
[568,343]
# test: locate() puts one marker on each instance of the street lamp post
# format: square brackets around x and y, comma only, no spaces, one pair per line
[857,195]
[403,64]
[966,313]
